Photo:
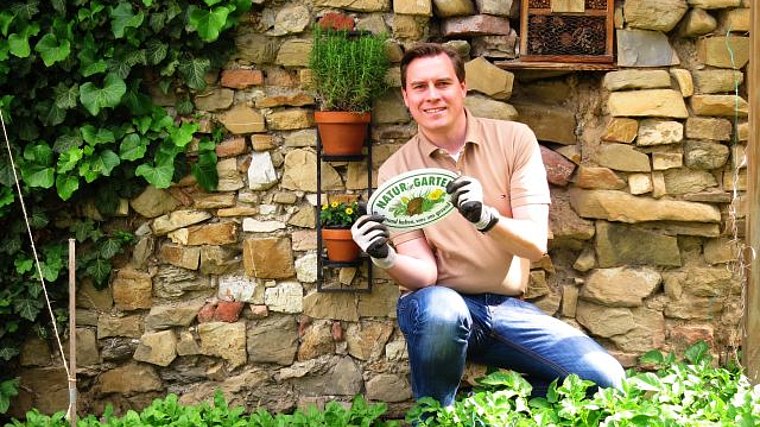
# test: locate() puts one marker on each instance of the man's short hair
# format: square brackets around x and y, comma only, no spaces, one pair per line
[425,50]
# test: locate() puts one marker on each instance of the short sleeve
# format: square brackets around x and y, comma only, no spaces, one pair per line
[528,181]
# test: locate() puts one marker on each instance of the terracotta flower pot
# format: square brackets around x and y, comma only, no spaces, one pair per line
[339,244]
[342,133]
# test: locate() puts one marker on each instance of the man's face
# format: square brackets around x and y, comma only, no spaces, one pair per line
[433,94]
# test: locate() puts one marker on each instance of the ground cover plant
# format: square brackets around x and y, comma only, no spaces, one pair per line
[690,392]
[75,84]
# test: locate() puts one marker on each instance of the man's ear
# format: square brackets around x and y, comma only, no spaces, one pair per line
[403,95]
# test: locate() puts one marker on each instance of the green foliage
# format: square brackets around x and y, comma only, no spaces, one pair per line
[8,389]
[690,393]
[338,214]
[169,412]
[75,79]
[348,69]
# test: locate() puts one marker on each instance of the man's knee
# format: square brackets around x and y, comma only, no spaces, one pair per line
[440,310]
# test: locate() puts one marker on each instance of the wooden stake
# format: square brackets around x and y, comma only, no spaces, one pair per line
[751,336]
[72,335]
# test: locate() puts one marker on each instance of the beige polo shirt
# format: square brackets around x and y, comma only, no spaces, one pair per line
[506,159]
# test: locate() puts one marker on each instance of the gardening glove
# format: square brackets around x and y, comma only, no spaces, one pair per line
[372,235]
[466,195]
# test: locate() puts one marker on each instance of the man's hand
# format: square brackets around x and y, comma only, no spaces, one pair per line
[372,235]
[467,196]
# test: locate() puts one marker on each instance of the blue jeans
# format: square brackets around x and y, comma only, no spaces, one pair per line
[444,328]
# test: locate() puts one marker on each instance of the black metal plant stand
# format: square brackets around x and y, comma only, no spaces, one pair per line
[322,261]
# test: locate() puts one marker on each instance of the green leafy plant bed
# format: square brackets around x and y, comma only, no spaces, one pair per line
[688,393]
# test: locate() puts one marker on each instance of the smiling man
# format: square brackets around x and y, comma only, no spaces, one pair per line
[462,278]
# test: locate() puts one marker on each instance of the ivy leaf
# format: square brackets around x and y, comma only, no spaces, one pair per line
[193,71]
[66,186]
[99,270]
[19,43]
[204,170]
[94,98]
[65,96]
[184,106]
[69,159]
[27,307]
[6,196]
[6,172]
[26,10]
[94,136]
[54,115]
[104,162]
[65,142]
[182,135]
[59,6]
[39,153]
[158,176]
[123,18]
[23,265]
[142,123]
[109,248]
[82,229]
[147,3]
[6,19]
[132,147]
[52,49]
[156,51]
[209,24]
[38,176]
[210,3]
[8,353]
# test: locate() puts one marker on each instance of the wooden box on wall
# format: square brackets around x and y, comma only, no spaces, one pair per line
[567,31]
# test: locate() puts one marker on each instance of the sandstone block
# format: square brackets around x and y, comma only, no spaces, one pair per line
[273,339]
[269,258]
[724,52]
[242,78]
[697,22]
[636,79]
[654,14]
[242,119]
[598,178]
[621,286]
[650,102]
[486,78]
[413,7]
[475,25]
[623,207]
[708,128]
[549,123]
[482,106]
[623,157]
[620,129]
[449,8]
[705,154]
[684,80]
[620,244]
[214,100]
[658,132]
[719,105]
[132,290]
[717,81]
[294,53]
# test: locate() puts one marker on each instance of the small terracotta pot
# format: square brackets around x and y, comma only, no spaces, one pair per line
[342,133]
[339,244]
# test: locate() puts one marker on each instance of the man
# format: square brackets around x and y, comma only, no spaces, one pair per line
[463,276]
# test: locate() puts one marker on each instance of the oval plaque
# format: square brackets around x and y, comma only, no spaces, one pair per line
[414,199]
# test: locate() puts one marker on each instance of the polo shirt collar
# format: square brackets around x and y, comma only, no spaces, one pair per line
[471,136]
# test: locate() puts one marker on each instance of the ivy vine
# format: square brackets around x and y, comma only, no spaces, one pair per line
[75,84]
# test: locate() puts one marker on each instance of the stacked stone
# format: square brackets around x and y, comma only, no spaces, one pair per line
[220,292]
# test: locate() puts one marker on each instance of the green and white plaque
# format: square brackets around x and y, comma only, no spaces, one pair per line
[414,199]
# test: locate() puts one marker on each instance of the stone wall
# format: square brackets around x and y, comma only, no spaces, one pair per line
[219,292]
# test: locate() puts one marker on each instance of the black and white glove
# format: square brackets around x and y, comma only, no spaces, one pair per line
[372,235]
[467,196]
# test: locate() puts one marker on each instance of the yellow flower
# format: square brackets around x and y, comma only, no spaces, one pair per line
[334,205]
[324,207]
[404,199]
[435,194]
[349,211]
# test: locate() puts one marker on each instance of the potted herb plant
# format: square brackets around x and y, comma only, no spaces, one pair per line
[336,219]
[348,74]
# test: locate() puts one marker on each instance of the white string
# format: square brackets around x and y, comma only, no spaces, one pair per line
[34,248]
